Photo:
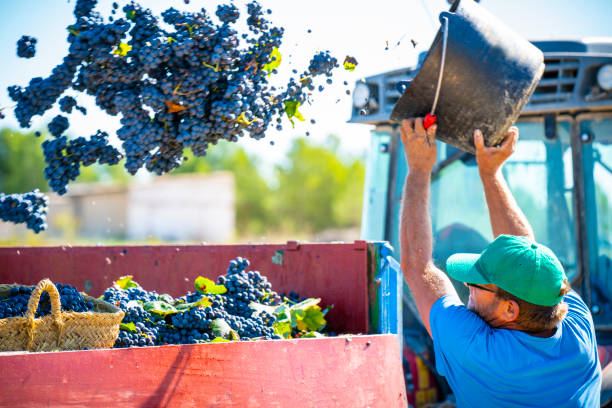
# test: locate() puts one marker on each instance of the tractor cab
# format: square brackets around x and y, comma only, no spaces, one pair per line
[560,174]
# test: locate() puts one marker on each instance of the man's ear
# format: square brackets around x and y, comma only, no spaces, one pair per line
[511,311]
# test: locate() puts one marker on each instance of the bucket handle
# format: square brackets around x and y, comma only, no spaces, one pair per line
[443,60]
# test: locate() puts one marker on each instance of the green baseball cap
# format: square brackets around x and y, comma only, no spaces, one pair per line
[526,269]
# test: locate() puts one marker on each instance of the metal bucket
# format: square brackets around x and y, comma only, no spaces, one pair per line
[487,77]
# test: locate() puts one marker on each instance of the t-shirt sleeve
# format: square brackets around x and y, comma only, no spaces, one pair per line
[579,313]
[453,329]
[576,305]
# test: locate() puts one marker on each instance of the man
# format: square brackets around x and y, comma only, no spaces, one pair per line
[524,339]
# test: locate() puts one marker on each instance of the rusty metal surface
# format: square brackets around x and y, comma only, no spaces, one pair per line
[332,372]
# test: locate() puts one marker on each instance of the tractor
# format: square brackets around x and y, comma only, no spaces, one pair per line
[560,175]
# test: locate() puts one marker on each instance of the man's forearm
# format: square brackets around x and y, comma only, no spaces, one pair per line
[505,214]
[427,283]
[416,240]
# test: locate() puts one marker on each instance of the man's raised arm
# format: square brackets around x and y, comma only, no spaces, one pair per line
[426,282]
[505,214]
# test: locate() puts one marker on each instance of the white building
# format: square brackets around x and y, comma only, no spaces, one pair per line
[190,207]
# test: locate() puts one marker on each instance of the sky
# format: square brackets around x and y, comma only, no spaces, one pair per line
[357,28]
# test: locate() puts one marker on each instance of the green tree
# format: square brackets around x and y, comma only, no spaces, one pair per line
[253,194]
[317,189]
[103,173]
[21,162]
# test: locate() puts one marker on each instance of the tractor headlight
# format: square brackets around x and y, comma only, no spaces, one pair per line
[361,95]
[604,77]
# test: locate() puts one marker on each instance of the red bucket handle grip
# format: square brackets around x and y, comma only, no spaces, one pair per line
[429,120]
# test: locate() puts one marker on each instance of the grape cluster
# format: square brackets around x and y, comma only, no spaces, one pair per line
[143,336]
[195,324]
[182,81]
[58,125]
[67,103]
[29,208]
[64,157]
[15,304]
[26,46]
[244,287]
[292,296]
[147,325]
[122,297]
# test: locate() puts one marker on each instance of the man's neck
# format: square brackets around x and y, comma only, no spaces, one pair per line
[541,333]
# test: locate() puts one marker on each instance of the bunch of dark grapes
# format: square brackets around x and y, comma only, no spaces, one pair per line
[29,208]
[188,82]
[244,287]
[67,103]
[143,336]
[121,297]
[58,125]
[15,304]
[147,325]
[292,296]
[195,325]
[26,47]
[64,157]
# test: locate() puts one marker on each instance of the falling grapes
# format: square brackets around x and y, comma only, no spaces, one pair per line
[29,209]
[26,47]
[179,80]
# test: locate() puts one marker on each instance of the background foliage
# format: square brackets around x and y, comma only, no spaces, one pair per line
[315,189]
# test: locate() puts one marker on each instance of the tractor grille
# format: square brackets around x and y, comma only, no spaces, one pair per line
[558,82]
[390,93]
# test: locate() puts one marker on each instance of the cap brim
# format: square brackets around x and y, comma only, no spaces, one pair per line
[462,267]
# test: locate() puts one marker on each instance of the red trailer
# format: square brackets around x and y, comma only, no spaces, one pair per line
[360,279]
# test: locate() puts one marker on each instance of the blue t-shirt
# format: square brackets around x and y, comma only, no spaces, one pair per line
[488,367]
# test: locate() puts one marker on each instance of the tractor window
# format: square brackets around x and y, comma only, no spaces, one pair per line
[597,153]
[603,197]
[539,174]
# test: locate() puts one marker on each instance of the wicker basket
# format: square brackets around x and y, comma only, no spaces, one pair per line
[59,330]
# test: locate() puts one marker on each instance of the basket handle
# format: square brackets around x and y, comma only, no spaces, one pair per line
[44,285]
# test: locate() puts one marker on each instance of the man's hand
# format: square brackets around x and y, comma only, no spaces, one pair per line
[490,159]
[419,145]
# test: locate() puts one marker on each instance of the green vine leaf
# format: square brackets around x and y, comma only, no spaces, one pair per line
[126,282]
[207,286]
[312,334]
[220,328]
[244,121]
[283,329]
[350,63]
[74,32]
[131,327]
[291,109]
[122,49]
[311,320]
[160,308]
[275,61]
